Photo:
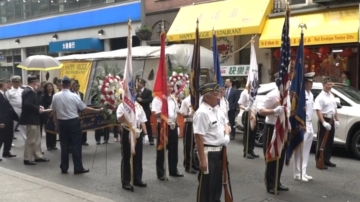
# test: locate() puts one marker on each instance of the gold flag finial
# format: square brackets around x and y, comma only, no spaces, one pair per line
[302,26]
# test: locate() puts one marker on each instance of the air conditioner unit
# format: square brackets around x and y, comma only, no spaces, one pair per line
[326,1]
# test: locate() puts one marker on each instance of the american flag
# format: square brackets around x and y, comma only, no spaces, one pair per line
[128,94]
[283,82]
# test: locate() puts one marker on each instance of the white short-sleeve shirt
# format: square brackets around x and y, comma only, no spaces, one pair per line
[173,107]
[210,123]
[139,112]
[67,105]
[244,98]
[325,102]
[272,101]
[185,106]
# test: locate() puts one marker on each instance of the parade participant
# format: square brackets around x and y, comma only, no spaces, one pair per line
[249,139]
[272,109]
[14,97]
[172,145]
[144,98]
[325,107]
[75,89]
[31,117]
[300,163]
[141,131]
[210,124]
[232,96]
[65,108]
[46,101]
[7,117]
[188,141]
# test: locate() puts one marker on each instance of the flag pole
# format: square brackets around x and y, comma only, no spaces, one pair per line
[131,154]
[165,133]
[302,26]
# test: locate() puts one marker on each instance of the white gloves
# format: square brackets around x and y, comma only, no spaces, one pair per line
[279,110]
[326,125]
[171,124]
[337,124]
[226,140]
[145,139]
[247,108]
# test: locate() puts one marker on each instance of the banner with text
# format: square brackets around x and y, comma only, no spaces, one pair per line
[78,71]
[88,121]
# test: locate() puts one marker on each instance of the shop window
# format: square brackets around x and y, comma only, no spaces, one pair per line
[245,56]
[10,11]
[294,2]
[71,5]
[84,3]
[97,2]
[325,61]
[54,6]
[19,14]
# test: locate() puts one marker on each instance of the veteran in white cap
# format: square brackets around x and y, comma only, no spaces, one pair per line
[300,164]
[14,97]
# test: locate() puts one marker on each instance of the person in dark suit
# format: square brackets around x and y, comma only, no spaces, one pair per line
[232,96]
[144,98]
[46,102]
[31,117]
[7,118]
[75,89]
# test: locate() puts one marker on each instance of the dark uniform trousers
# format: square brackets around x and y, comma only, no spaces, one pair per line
[84,137]
[172,148]
[148,125]
[252,134]
[71,135]
[102,132]
[7,136]
[189,147]
[210,185]
[126,156]
[270,172]
[329,142]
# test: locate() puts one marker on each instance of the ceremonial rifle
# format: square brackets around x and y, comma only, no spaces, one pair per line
[226,177]
[320,158]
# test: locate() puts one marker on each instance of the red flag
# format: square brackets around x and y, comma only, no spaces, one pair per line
[161,91]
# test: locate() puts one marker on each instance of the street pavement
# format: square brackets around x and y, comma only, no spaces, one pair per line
[340,184]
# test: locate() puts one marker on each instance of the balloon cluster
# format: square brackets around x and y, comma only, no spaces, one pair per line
[110,89]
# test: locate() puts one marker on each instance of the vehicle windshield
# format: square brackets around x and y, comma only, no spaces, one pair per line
[350,92]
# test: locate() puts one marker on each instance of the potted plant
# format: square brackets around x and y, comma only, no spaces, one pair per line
[144,33]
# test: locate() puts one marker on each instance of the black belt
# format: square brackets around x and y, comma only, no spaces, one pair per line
[207,145]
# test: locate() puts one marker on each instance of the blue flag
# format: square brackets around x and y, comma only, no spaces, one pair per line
[297,96]
[217,70]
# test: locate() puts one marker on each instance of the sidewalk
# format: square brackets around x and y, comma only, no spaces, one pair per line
[20,187]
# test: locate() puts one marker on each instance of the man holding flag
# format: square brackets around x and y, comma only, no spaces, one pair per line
[165,109]
[247,103]
[276,110]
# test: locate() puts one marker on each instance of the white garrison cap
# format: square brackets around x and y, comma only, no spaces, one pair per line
[309,76]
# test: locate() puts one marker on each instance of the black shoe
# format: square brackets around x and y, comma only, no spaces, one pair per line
[329,164]
[282,188]
[9,155]
[249,156]
[163,178]
[54,148]
[0,159]
[140,184]
[151,143]
[82,171]
[254,155]
[85,144]
[29,163]
[98,143]
[272,191]
[232,137]
[14,136]
[16,130]
[42,160]
[196,168]
[64,171]
[105,142]
[49,148]
[177,175]
[42,152]
[191,171]
[128,187]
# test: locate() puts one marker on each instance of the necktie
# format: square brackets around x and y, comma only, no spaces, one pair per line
[227,93]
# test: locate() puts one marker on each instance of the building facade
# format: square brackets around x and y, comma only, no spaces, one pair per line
[62,27]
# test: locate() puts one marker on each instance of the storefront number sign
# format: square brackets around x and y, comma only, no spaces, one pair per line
[68,45]
[235,70]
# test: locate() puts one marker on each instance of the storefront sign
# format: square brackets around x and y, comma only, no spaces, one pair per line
[87,44]
[312,40]
[78,71]
[207,34]
[235,70]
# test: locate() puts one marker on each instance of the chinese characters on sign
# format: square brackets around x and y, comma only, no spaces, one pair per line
[68,45]
[235,70]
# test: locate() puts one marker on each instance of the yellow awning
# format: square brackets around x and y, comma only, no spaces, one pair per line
[330,27]
[227,18]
